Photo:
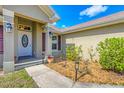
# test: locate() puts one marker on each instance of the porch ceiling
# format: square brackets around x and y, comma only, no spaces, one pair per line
[30,18]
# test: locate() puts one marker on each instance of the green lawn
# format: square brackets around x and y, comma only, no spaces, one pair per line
[17,79]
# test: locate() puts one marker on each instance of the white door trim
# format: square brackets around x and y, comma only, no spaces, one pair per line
[24,43]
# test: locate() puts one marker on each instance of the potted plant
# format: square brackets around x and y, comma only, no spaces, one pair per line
[50,59]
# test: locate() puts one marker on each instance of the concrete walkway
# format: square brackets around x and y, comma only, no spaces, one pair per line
[1,72]
[48,78]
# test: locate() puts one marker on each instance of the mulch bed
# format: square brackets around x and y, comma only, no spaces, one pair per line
[96,73]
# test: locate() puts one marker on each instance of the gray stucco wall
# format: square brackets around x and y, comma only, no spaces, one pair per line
[57,53]
[91,38]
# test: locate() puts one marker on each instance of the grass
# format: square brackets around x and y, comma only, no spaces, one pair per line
[17,79]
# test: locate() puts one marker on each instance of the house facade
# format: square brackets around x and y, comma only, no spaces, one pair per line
[89,34]
[26,36]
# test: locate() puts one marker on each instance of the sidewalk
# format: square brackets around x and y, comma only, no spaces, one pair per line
[48,78]
[1,72]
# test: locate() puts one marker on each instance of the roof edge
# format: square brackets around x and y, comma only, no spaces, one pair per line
[53,16]
[94,26]
[100,22]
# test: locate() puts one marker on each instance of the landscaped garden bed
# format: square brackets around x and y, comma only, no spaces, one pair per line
[96,74]
[108,69]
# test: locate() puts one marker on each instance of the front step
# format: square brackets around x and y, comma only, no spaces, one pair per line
[27,64]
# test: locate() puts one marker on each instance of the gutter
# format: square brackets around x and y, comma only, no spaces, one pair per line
[94,26]
[52,15]
[98,25]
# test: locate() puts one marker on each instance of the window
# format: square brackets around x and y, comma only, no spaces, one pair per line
[54,42]
[54,37]
[54,46]
[24,27]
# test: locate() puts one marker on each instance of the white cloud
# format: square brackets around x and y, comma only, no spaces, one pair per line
[93,10]
[64,26]
[54,23]
[80,18]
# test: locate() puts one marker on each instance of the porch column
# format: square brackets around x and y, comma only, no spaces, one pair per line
[48,42]
[38,41]
[8,55]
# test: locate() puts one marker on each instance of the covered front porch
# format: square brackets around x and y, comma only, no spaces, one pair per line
[23,39]
[27,49]
[28,40]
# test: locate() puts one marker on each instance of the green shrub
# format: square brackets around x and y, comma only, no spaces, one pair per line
[111,52]
[73,53]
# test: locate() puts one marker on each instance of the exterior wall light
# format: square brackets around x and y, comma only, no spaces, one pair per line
[76,69]
[8,27]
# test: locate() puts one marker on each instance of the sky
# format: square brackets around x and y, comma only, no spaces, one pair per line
[71,15]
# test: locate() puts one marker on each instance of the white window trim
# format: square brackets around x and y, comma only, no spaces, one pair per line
[55,41]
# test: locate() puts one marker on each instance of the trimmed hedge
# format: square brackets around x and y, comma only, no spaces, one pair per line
[111,52]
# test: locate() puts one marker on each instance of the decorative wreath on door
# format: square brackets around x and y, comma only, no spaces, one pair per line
[24,40]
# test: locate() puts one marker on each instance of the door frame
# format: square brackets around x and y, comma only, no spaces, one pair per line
[28,56]
[1,38]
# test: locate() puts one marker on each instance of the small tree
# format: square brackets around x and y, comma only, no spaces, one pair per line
[91,53]
[111,53]
[74,52]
